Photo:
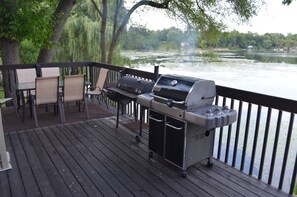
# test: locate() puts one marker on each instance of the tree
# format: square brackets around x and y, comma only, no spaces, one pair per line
[203,15]
[33,20]
[20,20]
[59,19]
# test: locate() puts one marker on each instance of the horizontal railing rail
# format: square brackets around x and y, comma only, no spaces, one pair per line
[262,143]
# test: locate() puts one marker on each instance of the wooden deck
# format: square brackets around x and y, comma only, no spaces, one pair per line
[93,158]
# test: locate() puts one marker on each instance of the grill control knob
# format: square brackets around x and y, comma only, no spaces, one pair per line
[225,109]
[208,113]
[169,103]
[217,111]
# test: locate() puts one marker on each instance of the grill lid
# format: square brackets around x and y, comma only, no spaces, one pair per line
[183,91]
[173,87]
[135,85]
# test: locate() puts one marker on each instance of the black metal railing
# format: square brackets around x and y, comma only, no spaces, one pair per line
[263,137]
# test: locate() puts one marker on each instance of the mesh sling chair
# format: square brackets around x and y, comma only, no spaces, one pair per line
[27,75]
[46,92]
[50,72]
[98,90]
[74,90]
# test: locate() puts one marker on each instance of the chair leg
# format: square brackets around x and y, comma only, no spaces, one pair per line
[35,115]
[105,100]
[98,97]
[23,105]
[61,111]
[79,106]
[86,108]
[14,103]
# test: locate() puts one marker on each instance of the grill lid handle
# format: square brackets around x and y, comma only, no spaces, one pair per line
[169,102]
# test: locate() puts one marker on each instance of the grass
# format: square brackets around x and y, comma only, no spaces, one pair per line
[1,92]
[2,95]
[295,190]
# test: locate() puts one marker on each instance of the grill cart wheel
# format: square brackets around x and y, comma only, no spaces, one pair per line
[151,154]
[209,163]
[137,138]
[184,173]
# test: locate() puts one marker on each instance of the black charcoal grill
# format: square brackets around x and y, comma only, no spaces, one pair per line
[126,90]
[182,117]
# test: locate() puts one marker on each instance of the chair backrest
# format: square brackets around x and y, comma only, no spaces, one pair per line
[74,88]
[50,72]
[101,79]
[47,90]
[26,75]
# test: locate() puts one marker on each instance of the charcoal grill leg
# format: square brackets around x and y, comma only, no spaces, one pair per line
[135,110]
[118,114]
[137,137]
[141,118]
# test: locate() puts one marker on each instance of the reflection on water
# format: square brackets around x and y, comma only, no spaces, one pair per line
[270,57]
[234,70]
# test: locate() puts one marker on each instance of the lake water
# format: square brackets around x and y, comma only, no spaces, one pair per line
[267,73]
[276,78]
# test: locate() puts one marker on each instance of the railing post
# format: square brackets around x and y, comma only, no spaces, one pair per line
[293,180]
[91,73]
[156,72]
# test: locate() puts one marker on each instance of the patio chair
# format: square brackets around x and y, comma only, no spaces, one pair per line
[74,90]
[50,72]
[98,90]
[27,75]
[47,92]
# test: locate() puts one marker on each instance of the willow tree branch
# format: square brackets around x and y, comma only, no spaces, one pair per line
[163,5]
[97,8]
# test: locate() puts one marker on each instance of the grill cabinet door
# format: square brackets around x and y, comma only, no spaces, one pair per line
[156,132]
[175,138]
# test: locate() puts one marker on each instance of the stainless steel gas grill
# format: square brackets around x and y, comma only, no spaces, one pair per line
[126,90]
[182,118]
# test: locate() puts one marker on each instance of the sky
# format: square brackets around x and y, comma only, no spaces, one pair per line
[274,17]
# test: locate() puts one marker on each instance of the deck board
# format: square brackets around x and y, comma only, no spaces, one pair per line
[120,172]
[40,176]
[123,156]
[93,158]
[58,173]
[16,186]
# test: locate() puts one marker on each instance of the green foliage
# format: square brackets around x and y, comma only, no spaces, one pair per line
[1,91]
[29,52]
[80,39]
[210,16]
[29,19]
[210,56]
[139,38]
[267,42]
[287,2]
